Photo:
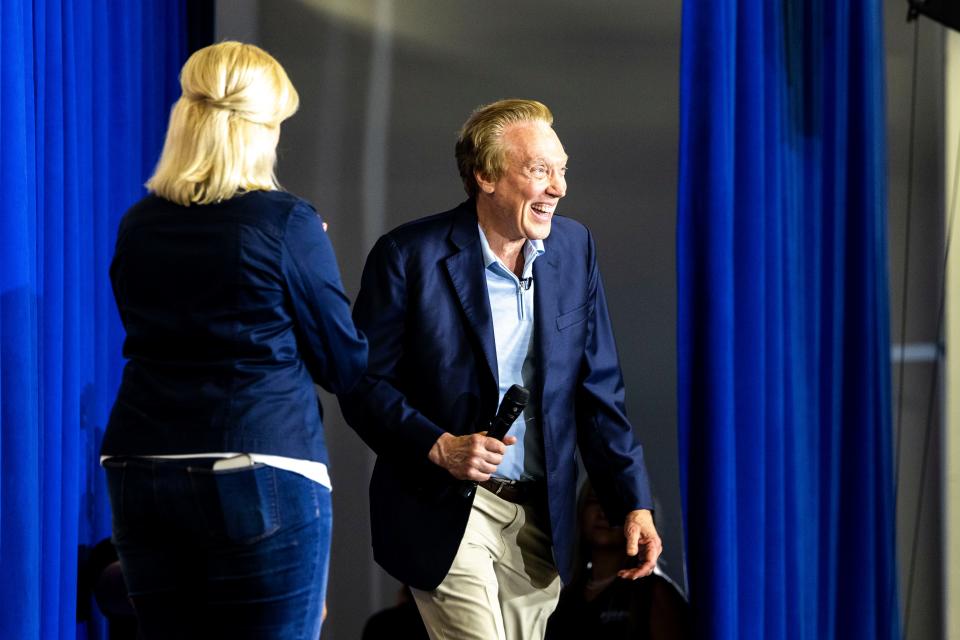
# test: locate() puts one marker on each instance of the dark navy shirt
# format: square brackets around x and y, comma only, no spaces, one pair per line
[232,311]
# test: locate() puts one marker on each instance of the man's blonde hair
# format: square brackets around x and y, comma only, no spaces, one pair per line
[223,130]
[480,143]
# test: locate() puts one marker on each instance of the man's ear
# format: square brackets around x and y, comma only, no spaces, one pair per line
[485,184]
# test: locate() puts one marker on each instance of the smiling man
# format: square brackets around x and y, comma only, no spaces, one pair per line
[458,307]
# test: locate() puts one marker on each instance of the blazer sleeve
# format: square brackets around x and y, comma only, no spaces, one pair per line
[377,408]
[334,351]
[608,445]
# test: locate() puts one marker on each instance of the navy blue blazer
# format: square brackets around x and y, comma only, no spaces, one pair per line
[232,311]
[432,368]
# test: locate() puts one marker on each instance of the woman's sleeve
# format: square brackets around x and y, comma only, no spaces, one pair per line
[334,351]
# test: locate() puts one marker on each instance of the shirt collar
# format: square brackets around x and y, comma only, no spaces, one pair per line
[531,249]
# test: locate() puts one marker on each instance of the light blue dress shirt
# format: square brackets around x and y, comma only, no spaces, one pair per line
[511,304]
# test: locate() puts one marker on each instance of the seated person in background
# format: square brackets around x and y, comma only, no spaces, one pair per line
[599,605]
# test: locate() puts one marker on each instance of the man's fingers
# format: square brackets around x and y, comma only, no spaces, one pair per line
[640,532]
[507,440]
[477,472]
[484,466]
[638,537]
[650,558]
[494,445]
[491,457]
[479,456]
[477,476]
[636,572]
[645,569]
[480,442]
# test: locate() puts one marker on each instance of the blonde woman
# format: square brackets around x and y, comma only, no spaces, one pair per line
[230,295]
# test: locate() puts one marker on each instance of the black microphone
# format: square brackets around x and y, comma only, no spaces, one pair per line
[512,405]
[526,283]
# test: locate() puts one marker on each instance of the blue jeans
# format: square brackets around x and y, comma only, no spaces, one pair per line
[239,553]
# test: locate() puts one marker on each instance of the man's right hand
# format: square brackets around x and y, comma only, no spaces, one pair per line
[473,457]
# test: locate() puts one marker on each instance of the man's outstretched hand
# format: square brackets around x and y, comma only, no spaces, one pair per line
[643,541]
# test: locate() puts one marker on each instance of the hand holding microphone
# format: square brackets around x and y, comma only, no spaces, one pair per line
[474,457]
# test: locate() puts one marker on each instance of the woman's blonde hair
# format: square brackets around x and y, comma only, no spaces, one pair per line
[223,131]
[480,143]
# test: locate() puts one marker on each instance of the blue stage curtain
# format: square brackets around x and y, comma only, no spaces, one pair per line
[86,87]
[784,399]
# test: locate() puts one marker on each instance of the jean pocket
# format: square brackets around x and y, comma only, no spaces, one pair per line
[248,503]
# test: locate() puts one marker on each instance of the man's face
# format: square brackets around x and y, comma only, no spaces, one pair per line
[525,197]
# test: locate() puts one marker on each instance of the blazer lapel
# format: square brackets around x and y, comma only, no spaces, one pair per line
[546,282]
[465,268]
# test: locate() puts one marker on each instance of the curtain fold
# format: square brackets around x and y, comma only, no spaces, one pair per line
[783,340]
[85,89]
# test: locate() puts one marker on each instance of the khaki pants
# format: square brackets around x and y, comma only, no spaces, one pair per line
[503,584]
